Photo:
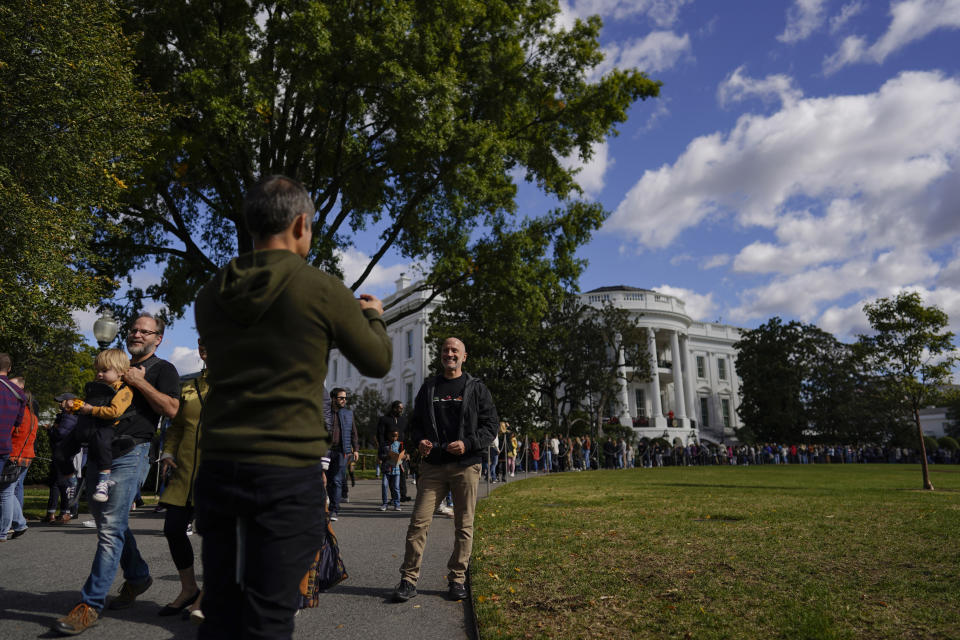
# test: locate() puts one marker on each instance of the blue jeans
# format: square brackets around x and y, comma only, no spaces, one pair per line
[11,513]
[335,477]
[586,459]
[116,546]
[390,489]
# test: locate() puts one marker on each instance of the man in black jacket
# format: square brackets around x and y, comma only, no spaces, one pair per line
[394,421]
[453,421]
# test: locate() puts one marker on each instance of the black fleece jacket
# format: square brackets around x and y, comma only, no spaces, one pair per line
[478,420]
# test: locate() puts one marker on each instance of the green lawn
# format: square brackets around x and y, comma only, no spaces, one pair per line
[826,551]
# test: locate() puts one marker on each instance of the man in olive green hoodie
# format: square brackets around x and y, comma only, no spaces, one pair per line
[268,319]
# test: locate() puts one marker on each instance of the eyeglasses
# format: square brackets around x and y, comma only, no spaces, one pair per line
[341,397]
[143,332]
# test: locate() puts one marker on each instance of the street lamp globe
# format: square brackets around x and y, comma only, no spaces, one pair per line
[105,329]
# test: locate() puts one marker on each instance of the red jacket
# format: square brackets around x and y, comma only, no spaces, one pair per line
[24,435]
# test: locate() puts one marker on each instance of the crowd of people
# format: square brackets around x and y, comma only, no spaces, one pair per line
[554,453]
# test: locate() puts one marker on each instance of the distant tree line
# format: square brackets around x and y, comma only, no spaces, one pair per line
[800,384]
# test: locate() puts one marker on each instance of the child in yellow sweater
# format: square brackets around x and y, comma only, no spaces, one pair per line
[107,400]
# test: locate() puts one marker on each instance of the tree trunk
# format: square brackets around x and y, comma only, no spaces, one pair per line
[927,485]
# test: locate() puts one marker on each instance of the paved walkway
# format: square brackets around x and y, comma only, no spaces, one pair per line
[41,574]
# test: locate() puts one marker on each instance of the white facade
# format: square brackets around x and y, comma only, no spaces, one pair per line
[703,398]
[411,363]
[695,393]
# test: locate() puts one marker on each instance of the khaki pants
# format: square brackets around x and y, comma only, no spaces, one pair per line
[433,483]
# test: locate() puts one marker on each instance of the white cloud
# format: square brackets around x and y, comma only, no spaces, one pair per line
[803,18]
[851,196]
[699,307]
[885,151]
[84,319]
[186,360]
[590,174]
[657,51]
[847,12]
[911,20]
[381,280]
[802,294]
[845,322]
[662,13]
[712,262]
[737,87]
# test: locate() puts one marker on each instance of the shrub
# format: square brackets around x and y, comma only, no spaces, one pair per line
[948,443]
[931,444]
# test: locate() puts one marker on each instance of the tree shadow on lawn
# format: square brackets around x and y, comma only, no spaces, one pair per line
[734,486]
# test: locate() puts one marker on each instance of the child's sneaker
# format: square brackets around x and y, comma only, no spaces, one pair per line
[102,492]
[71,490]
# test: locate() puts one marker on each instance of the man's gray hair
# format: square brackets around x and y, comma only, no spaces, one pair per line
[272,205]
[161,325]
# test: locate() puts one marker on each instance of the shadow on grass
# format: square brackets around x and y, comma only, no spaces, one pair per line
[734,486]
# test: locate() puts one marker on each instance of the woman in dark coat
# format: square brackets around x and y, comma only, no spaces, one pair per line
[180,459]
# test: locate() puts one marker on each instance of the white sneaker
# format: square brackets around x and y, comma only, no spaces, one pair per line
[102,492]
[90,524]
[396,507]
[445,510]
[383,507]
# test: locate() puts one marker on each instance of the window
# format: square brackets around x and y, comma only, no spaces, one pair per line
[349,370]
[409,394]
[722,368]
[704,412]
[633,296]
[641,403]
[410,343]
[336,361]
[701,367]
[725,409]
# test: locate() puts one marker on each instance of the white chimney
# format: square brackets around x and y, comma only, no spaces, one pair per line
[402,282]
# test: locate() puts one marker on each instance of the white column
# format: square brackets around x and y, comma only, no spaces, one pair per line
[622,395]
[657,410]
[679,397]
[734,392]
[689,383]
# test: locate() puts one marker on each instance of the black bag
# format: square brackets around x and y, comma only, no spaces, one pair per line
[325,572]
[10,472]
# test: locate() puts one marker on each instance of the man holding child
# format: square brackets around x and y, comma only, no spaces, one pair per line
[156,391]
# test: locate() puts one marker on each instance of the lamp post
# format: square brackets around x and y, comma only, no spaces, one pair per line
[105,329]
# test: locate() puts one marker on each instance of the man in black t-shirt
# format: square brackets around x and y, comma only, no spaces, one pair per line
[453,420]
[156,393]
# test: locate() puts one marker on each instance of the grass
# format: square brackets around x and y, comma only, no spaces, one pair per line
[35,501]
[799,552]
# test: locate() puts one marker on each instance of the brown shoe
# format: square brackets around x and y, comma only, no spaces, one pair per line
[48,519]
[128,594]
[80,618]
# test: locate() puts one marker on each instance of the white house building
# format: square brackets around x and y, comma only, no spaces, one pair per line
[694,394]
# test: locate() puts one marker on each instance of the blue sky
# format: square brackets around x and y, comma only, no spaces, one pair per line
[803,159]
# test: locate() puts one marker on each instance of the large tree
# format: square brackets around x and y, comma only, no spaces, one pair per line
[799,381]
[409,122]
[74,122]
[913,351]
